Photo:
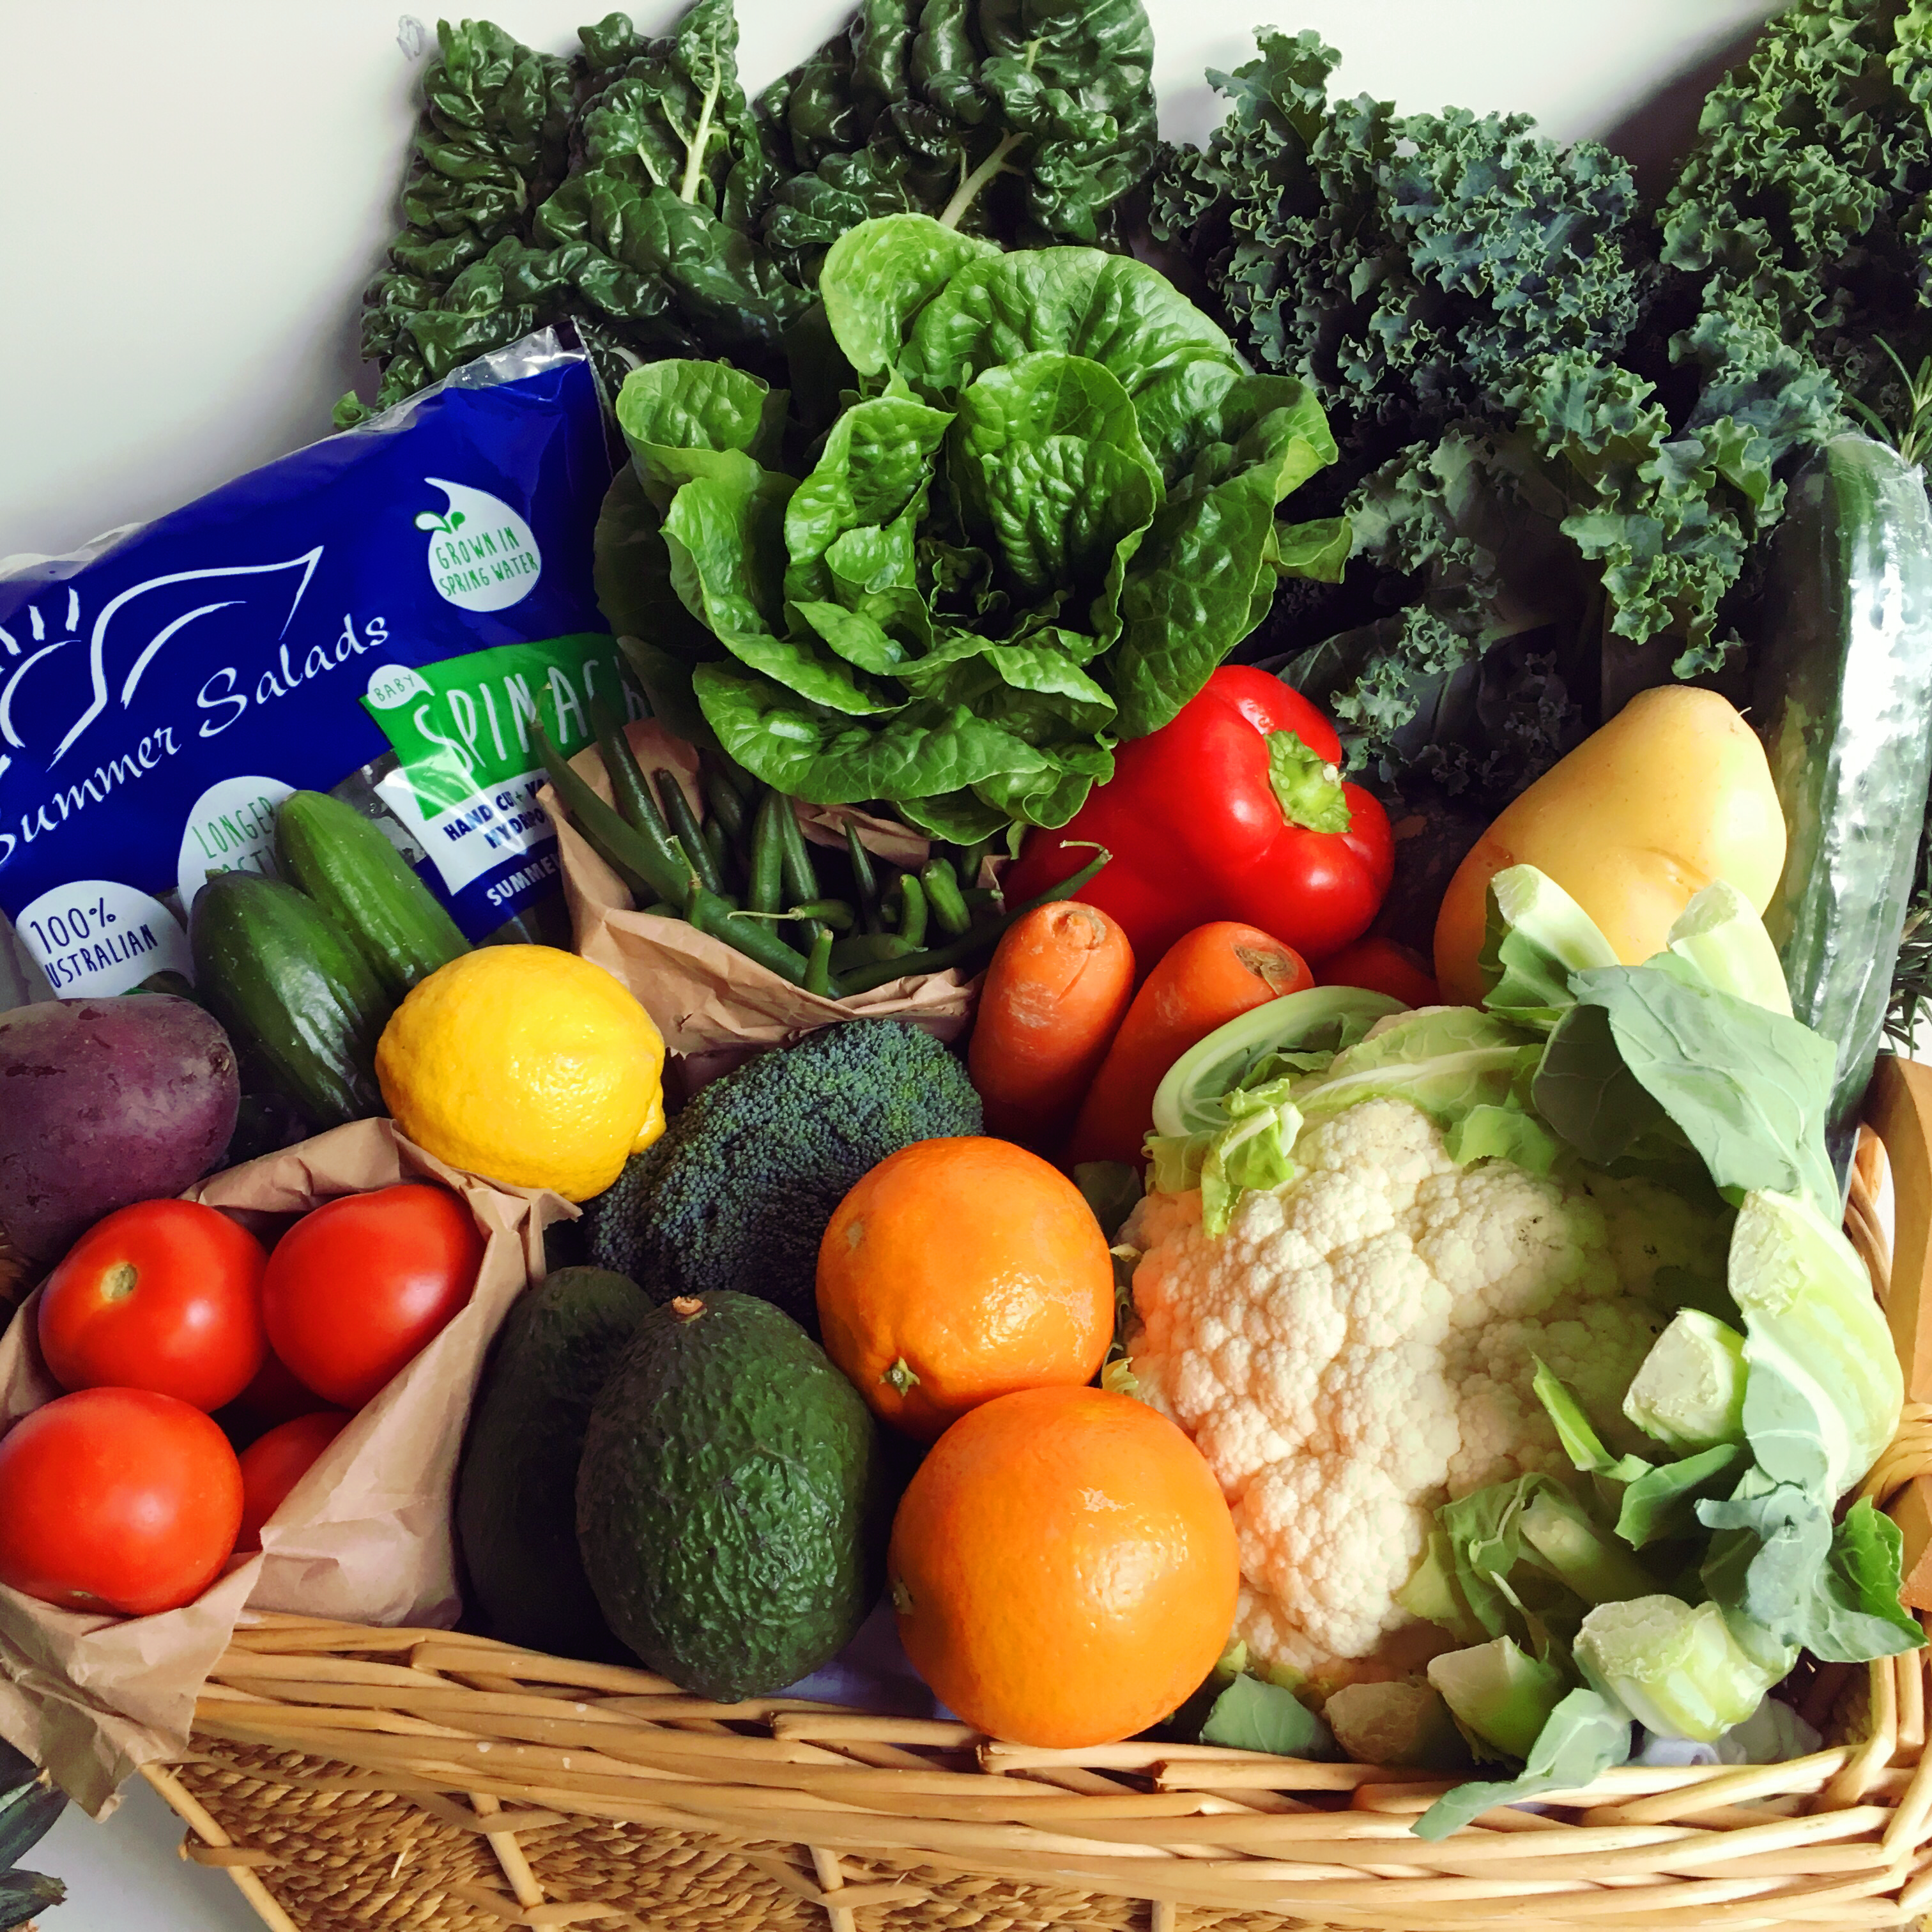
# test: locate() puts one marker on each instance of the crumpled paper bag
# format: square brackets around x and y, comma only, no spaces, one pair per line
[365,1536]
[714,1007]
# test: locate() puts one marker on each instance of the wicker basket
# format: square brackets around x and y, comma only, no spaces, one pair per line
[350,1778]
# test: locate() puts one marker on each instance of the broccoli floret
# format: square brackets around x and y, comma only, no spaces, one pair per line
[737,1193]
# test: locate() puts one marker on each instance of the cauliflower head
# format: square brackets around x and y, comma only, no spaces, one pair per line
[1359,1347]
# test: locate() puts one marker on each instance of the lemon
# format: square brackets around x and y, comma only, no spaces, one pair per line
[525,1065]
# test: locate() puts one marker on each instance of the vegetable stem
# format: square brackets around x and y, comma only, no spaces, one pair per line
[700,140]
[967,192]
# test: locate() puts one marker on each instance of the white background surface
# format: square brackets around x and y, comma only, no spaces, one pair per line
[196,191]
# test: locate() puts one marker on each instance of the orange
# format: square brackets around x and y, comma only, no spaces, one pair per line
[960,1270]
[1064,1568]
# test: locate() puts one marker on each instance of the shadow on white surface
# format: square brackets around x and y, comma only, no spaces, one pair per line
[126,1875]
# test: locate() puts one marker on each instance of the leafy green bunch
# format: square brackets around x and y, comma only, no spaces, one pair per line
[1406,266]
[1554,488]
[634,189]
[1028,121]
[1046,512]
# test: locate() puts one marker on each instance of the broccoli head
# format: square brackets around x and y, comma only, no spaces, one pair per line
[737,1193]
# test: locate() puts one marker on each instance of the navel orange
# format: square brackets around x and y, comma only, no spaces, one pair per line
[959,1269]
[1064,1568]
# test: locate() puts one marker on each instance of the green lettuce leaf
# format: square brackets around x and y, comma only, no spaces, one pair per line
[1585,1735]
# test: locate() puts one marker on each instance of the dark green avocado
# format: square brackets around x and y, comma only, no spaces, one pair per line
[732,1502]
[516,1491]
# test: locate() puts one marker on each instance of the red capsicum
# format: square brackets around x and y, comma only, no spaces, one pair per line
[1234,809]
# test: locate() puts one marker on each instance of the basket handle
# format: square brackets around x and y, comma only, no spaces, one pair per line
[1898,1109]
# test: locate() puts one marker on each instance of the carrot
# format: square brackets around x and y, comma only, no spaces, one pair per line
[1208,977]
[1054,997]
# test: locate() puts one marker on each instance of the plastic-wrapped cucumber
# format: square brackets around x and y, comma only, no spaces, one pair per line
[1843,703]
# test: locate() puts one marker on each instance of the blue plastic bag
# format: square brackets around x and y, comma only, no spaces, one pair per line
[382,614]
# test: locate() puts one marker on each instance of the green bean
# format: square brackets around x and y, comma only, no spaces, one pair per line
[664,909]
[620,846]
[868,949]
[818,962]
[800,875]
[980,898]
[912,908]
[863,979]
[686,830]
[709,913]
[942,895]
[631,794]
[865,879]
[766,883]
[719,846]
[722,799]
[834,913]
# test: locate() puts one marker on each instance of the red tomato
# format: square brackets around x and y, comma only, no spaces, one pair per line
[273,1397]
[116,1499]
[1382,966]
[164,1295]
[273,1466]
[359,1288]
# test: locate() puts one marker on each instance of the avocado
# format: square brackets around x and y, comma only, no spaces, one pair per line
[732,1503]
[516,1490]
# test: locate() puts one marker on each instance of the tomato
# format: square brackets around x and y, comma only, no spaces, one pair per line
[116,1499]
[1382,966]
[360,1287]
[164,1295]
[273,1466]
[273,1397]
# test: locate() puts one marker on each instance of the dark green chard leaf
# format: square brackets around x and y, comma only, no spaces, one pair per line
[1029,119]
[491,144]
[24,1895]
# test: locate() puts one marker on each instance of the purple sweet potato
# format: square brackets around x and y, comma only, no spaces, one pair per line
[103,1102]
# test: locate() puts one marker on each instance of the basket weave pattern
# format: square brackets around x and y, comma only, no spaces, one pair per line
[352,1778]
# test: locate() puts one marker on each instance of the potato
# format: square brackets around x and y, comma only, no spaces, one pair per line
[106,1101]
[1672,793]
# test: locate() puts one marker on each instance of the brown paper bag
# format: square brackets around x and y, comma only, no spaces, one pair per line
[714,1007]
[364,1536]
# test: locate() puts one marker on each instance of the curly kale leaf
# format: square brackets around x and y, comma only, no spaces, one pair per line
[1025,120]
[1469,531]
[1406,266]
[1480,311]
[1804,207]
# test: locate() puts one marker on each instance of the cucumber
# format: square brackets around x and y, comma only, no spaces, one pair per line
[300,1004]
[366,887]
[1843,703]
